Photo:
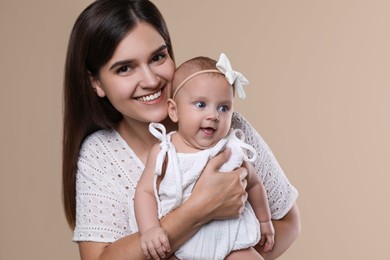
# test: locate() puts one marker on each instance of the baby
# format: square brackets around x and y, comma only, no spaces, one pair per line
[202,104]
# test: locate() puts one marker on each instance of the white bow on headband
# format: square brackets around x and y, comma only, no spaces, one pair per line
[233,77]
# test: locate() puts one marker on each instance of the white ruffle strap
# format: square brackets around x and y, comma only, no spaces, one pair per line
[158,130]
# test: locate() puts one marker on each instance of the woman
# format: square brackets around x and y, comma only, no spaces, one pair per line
[118,73]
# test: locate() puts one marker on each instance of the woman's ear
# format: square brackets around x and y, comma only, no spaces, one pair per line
[172,110]
[96,86]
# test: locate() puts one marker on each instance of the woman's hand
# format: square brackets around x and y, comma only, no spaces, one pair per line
[220,195]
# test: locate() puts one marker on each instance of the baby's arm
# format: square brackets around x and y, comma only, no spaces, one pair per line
[154,240]
[257,197]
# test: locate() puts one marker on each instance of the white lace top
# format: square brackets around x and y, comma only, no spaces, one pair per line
[108,172]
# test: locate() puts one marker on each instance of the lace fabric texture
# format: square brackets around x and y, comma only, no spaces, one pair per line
[108,173]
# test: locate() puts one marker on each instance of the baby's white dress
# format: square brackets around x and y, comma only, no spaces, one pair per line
[218,238]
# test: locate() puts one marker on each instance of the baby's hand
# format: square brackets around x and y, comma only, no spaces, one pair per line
[155,243]
[267,235]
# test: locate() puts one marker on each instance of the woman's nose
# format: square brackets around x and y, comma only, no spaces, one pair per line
[149,79]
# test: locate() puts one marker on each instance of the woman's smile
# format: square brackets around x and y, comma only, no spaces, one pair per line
[150,97]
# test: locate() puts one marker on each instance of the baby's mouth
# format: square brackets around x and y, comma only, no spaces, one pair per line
[150,97]
[208,130]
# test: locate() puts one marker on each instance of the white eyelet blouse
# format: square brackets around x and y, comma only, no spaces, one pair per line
[108,172]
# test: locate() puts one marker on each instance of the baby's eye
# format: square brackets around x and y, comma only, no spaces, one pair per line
[223,108]
[200,104]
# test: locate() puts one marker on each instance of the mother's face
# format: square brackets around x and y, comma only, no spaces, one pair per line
[138,78]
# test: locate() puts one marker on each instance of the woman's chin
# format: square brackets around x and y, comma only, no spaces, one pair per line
[158,117]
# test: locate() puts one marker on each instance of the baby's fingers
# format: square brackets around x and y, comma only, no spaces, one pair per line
[145,250]
[152,250]
[269,244]
[161,245]
[165,243]
[262,240]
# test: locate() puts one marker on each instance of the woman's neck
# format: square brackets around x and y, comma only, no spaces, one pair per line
[137,136]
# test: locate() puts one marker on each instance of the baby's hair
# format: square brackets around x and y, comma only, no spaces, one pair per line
[190,67]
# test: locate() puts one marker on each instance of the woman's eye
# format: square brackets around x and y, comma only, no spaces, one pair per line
[123,69]
[200,104]
[158,57]
[223,108]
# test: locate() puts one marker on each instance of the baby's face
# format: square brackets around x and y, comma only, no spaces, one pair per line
[204,109]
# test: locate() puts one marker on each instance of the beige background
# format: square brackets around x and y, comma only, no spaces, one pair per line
[319,95]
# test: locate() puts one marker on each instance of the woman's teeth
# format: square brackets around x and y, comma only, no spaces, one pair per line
[150,97]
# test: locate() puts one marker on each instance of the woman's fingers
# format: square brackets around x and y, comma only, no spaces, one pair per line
[243,174]
[222,195]
[216,162]
[244,184]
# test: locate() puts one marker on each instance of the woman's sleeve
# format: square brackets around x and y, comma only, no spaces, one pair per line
[281,194]
[100,213]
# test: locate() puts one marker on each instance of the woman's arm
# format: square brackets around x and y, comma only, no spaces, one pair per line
[215,196]
[287,230]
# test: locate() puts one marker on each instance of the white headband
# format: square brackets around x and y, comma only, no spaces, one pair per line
[234,78]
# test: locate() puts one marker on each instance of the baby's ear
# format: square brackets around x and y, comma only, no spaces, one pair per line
[96,86]
[172,110]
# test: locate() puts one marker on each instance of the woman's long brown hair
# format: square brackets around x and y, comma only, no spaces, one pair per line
[96,34]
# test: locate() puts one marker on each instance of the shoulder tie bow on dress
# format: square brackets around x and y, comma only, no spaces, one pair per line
[167,148]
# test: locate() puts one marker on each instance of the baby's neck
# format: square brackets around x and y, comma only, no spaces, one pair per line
[184,146]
